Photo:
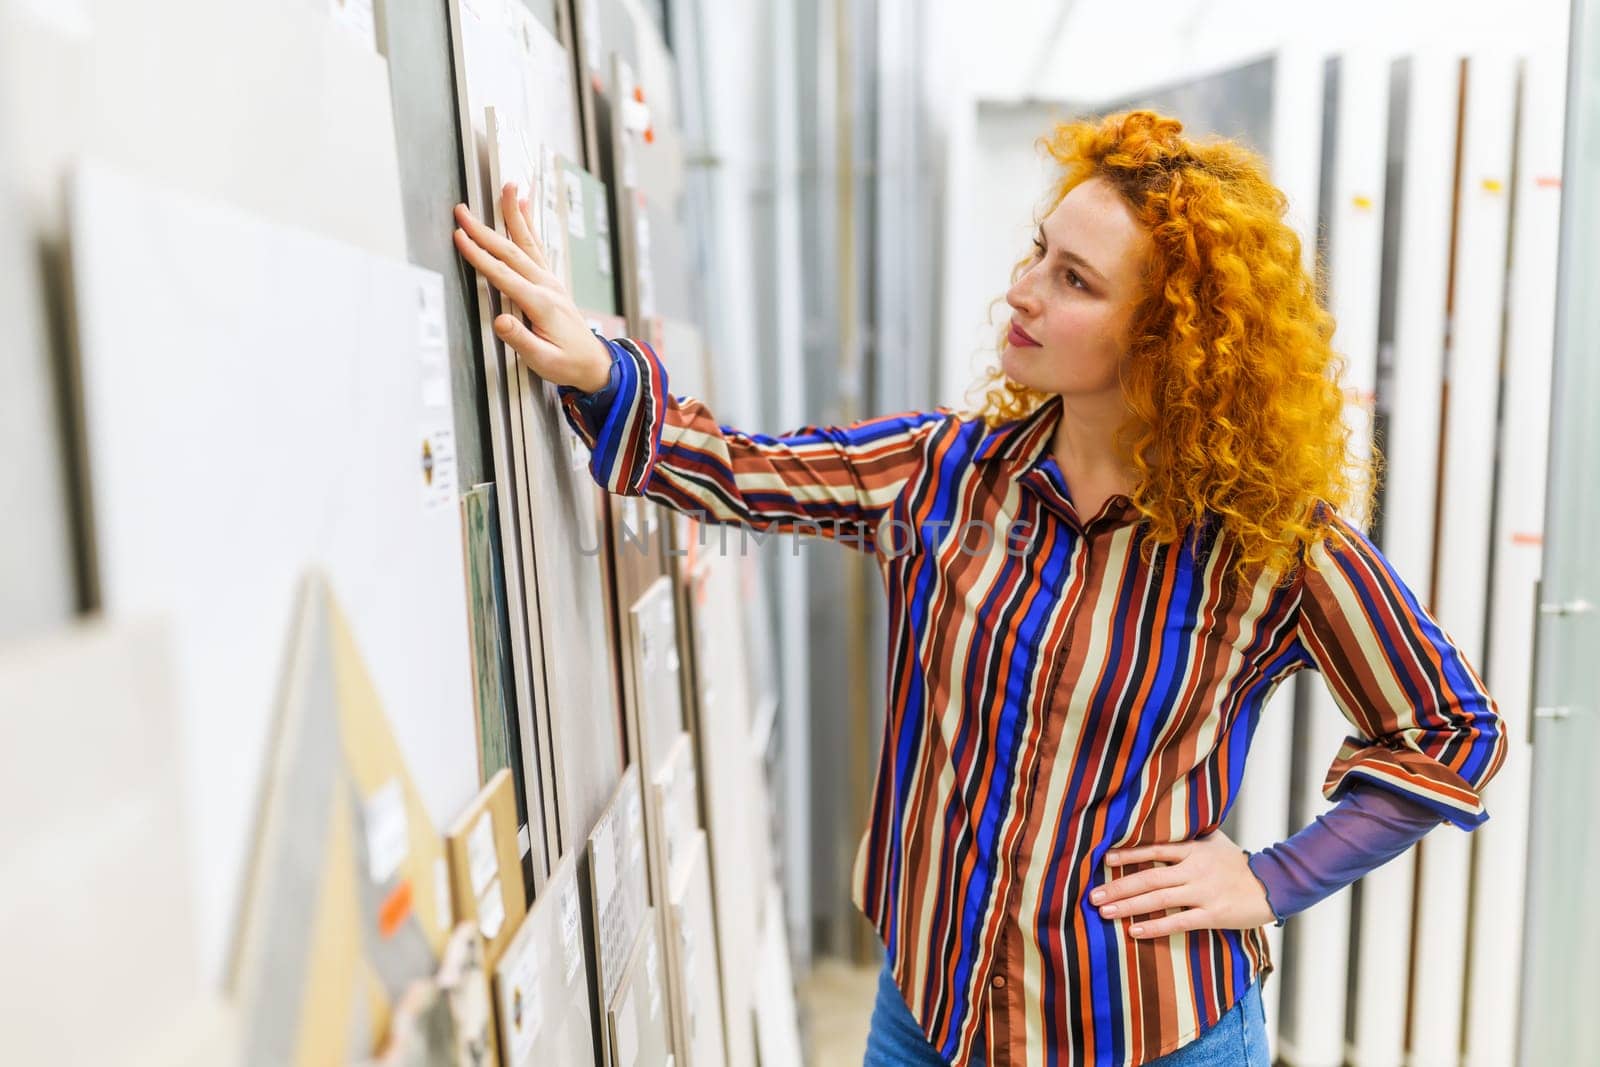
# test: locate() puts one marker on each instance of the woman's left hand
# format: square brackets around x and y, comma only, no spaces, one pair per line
[1209,878]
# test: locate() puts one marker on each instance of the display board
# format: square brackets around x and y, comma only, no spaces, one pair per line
[637,1020]
[493,686]
[672,827]
[692,955]
[1466,516]
[110,815]
[733,789]
[38,576]
[542,993]
[656,673]
[485,869]
[777,1028]
[318,150]
[208,510]
[1354,126]
[517,97]
[1500,869]
[446,1018]
[349,898]
[489,52]
[594,281]
[1421,148]
[618,887]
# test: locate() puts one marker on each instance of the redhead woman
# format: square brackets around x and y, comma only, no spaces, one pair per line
[1095,581]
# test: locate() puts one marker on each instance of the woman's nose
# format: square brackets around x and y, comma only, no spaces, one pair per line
[1018,296]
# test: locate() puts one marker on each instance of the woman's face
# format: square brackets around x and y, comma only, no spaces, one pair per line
[1072,306]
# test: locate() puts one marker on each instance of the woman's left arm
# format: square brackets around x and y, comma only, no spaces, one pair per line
[1428,733]
[1369,827]
[1231,888]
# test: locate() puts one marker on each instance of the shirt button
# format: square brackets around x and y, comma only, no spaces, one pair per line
[999,981]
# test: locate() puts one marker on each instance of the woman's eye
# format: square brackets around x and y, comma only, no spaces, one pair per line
[1038,247]
[1072,276]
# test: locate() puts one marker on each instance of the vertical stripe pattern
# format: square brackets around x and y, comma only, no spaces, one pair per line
[1051,696]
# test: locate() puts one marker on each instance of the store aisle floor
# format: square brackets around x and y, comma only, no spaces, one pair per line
[836,1001]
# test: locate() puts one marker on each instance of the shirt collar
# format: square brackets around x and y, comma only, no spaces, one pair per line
[1023,445]
[1027,438]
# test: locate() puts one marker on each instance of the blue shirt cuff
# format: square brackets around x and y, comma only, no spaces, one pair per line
[595,405]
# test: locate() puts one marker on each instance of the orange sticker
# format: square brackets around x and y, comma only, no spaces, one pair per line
[1521,538]
[395,909]
[1548,181]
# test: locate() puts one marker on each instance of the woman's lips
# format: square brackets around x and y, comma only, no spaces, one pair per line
[1020,338]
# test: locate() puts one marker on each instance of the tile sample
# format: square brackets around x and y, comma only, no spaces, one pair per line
[656,674]
[594,279]
[342,460]
[541,984]
[509,64]
[99,908]
[345,909]
[574,656]
[637,1020]
[692,960]
[485,867]
[493,686]
[618,889]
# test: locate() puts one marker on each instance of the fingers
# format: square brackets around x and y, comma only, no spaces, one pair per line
[535,301]
[1163,852]
[519,224]
[1167,925]
[527,217]
[1146,903]
[499,247]
[534,351]
[1119,889]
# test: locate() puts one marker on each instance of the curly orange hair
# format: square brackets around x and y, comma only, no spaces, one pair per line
[1232,384]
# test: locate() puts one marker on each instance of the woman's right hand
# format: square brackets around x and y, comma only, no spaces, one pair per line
[557,343]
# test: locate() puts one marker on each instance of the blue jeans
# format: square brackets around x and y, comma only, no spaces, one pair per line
[1239,1039]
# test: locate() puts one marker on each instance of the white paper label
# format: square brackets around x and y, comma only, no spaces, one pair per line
[520,1005]
[571,932]
[388,838]
[441,893]
[436,466]
[491,911]
[574,186]
[481,861]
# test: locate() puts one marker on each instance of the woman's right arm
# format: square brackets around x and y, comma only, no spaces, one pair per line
[836,482]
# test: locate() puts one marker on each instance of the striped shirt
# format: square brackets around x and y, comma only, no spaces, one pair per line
[1052,696]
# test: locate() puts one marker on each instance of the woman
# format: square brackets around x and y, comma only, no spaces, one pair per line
[1094,584]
